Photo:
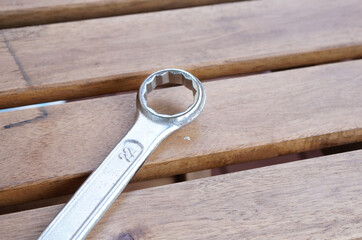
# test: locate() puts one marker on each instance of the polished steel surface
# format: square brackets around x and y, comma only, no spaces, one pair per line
[105,184]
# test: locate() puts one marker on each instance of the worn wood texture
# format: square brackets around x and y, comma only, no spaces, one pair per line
[318,198]
[26,13]
[78,59]
[245,118]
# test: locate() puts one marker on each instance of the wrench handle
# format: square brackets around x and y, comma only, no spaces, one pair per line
[105,184]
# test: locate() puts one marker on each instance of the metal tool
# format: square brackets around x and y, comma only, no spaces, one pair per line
[105,184]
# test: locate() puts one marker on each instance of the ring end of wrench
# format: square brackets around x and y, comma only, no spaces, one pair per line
[179,77]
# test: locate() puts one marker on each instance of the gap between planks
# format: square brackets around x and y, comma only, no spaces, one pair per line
[319,198]
[75,185]
[100,56]
[262,116]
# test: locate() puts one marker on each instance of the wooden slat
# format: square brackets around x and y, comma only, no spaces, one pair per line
[26,13]
[244,119]
[78,59]
[317,198]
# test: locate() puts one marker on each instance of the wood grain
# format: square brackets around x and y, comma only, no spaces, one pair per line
[245,119]
[22,13]
[85,58]
[318,198]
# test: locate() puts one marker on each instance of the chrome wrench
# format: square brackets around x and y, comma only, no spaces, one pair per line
[105,184]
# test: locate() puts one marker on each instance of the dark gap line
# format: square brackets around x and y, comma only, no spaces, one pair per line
[17,61]
[314,65]
[182,177]
[43,115]
[287,158]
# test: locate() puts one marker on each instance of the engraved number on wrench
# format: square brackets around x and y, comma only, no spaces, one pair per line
[131,150]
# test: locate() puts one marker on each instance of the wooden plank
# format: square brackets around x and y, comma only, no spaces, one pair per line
[245,119]
[319,198]
[26,13]
[79,59]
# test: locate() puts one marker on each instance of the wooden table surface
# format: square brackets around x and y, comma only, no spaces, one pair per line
[281,77]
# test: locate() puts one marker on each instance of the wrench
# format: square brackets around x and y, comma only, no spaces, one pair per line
[105,184]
